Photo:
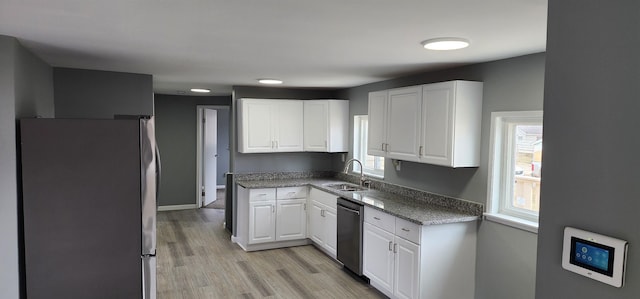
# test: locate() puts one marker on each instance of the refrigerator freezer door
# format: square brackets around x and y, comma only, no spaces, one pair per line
[149,168]
[81,203]
[149,277]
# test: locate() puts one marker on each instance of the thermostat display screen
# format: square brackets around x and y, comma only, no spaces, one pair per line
[593,256]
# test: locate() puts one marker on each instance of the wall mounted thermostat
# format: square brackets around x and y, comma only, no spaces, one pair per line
[595,256]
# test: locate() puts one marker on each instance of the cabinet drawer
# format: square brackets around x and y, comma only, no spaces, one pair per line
[262,194]
[291,192]
[408,230]
[380,219]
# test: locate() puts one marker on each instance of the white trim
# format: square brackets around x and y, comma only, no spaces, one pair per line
[360,148]
[176,207]
[199,112]
[199,116]
[498,170]
[516,222]
[220,186]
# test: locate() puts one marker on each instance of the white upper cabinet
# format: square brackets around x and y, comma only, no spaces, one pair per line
[326,126]
[451,123]
[394,123]
[270,125]
[289,127]
[434,123]
[377,136]
[403,123]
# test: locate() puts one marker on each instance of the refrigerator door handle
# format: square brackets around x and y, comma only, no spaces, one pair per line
[149,283]
[158,172]
[149,181]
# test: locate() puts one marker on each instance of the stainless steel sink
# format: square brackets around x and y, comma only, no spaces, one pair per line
[346,187]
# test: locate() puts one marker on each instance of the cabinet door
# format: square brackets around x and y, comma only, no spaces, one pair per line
[316,126]
[437,123]
[331,231]
[378,257]
[377,139]
[407,269]
[257,126]
[291,220]
[289,125]
[316,228]
[403,123]
[262,222]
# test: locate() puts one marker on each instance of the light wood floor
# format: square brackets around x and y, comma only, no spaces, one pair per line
[196,259]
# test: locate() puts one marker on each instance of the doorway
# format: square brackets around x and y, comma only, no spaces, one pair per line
[212,155]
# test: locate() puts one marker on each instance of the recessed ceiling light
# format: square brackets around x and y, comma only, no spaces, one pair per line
[445,43]
[200,90]
[270,81]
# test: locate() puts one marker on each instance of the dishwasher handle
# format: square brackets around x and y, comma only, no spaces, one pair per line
[349,210]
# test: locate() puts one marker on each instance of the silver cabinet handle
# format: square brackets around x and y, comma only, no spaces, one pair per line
[273,208]
[420,151]
[395,248]
[322,213]
[305,206]
[382,146]
[376,218]
[406,230]
[277,145]
[390,243]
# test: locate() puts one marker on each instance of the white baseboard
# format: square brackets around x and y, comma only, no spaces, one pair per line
[176,207]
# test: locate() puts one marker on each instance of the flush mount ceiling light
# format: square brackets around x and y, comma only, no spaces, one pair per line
[445,43]
[200,90]
[270,81]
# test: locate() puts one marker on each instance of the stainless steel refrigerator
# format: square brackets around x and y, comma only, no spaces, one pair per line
[89,207]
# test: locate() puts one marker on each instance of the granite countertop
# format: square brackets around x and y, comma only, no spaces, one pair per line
[424,210]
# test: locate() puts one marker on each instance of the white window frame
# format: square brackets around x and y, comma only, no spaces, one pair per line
[360,148]
[501,176]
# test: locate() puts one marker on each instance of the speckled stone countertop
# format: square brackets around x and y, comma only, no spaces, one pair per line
[414,205]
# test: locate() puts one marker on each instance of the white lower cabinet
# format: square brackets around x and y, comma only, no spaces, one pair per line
[406,260]
[323,221]
[291,223]
[378,257]
[262,222]
[271,217]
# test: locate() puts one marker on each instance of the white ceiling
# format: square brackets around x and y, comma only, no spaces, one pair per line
[312,44]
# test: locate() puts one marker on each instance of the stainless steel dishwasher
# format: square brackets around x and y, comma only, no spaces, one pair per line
[350,219]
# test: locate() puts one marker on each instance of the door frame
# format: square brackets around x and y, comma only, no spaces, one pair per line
[199,158]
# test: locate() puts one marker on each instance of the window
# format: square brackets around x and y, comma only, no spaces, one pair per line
[515,168]
[373,166]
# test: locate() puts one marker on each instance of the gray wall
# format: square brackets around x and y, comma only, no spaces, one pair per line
[25,91]
[34,86]
[275,162]
[176,133]
[101,94]
[506,256]
[592,100]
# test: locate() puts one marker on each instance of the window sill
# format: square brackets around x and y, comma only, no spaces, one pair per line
[519,223]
